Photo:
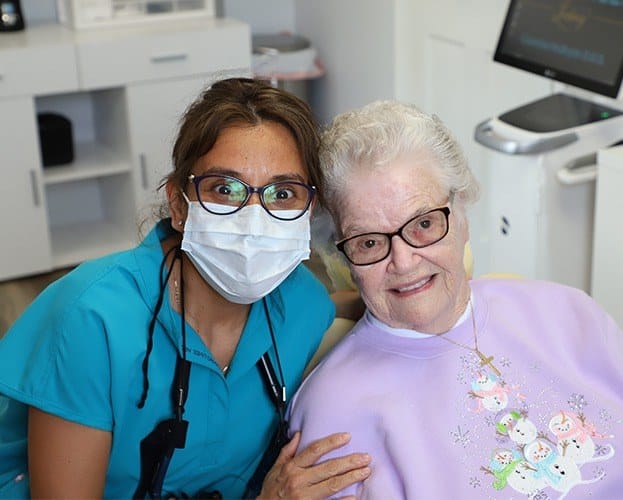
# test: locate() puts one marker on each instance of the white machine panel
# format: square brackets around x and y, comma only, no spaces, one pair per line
[541,198]
[607,278]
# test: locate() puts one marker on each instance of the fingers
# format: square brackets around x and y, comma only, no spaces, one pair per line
[318,478]
[298,486]
[317,449]
[341,467]
[306,475]
[337,482]
[289,450]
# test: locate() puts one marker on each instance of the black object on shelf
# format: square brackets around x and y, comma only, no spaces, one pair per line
[11,17]
[55,139]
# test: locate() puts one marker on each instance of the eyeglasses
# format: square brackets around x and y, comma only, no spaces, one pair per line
[419,232]
[223,195]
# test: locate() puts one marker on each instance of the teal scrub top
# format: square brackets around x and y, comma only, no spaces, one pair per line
[77,351]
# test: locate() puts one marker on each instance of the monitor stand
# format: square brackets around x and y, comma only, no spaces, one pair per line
[557,112]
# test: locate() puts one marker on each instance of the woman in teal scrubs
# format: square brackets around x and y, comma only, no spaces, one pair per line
[163,371]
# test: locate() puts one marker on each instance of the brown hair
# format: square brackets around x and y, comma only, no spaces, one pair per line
[236,101]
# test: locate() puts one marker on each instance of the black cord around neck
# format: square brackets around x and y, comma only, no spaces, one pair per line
[152,324]
[272,338]
[277,393]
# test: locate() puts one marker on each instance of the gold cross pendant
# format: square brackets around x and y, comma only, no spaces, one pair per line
[487,361]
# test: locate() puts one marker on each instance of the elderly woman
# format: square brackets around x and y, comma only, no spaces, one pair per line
[489,388]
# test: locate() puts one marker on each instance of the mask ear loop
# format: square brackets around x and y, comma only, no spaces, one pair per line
[154,318]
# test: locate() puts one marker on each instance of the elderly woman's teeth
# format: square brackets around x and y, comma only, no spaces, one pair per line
[419,284]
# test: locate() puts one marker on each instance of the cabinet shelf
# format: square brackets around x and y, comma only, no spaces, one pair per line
[90,217]
[91,160]
[74,243]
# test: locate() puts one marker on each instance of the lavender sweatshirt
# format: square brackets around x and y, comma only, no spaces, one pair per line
[543,420]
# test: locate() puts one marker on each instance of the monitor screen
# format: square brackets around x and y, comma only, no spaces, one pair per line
[579,42]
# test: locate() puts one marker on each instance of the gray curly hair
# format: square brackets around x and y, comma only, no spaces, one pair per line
[383,131]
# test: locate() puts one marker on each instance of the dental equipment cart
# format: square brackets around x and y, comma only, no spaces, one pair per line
[540,158]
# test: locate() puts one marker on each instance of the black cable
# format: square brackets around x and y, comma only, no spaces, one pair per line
[152,323]
[272,337]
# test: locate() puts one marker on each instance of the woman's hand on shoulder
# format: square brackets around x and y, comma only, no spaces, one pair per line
[65,459]
[300,476]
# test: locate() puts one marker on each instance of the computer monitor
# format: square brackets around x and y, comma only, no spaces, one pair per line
[578,42]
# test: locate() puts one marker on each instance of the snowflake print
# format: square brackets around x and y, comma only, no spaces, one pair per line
[599,473]
[501,439]
[505,362]
[539,495]
[491,421]
[474,482]
[461,437]
[577,402]
[470,362]
[523,408]
[605,415]
[601,450]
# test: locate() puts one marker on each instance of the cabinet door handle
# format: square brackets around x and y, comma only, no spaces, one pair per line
[143,163]
[35,191]
[164,58]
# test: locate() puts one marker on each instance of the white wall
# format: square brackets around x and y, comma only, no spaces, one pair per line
[37,11]
[354,39]
[264,16]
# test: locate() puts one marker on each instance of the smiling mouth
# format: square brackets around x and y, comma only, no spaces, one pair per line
[415,286]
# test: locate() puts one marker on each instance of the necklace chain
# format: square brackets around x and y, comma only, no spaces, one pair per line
[176,293]
[484,360]
[178,301]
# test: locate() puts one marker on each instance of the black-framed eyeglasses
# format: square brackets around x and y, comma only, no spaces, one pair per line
[419,232]
[223,195]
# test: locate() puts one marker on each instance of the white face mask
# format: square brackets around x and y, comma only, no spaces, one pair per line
[245,255]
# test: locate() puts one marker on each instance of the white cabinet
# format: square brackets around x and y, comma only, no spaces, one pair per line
[153,124]
[39,60]
[607,276]
[90,202]
[124,91]
[142,53]
[24,229]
